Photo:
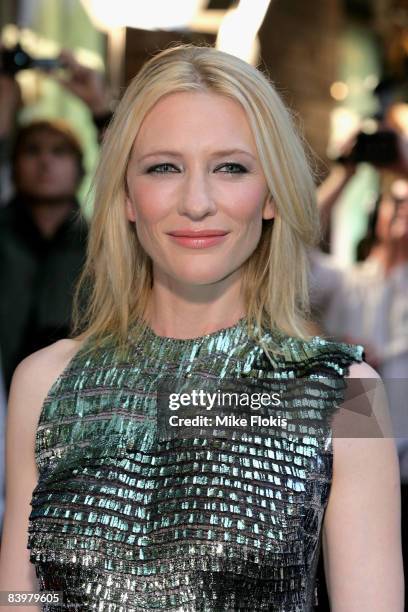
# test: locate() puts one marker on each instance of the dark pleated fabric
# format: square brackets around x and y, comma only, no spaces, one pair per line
[125,519]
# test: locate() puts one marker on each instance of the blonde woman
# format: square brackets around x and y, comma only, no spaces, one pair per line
[197,267]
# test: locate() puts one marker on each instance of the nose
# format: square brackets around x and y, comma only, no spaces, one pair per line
[45,157]
[196,200]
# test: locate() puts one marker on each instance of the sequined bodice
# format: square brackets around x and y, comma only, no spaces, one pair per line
[125,520]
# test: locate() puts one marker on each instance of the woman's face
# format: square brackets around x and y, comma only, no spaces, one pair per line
[194,168]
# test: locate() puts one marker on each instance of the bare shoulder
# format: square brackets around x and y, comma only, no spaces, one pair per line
[375,398]
[35,375]
[362,370]
[363,424]
[47,363]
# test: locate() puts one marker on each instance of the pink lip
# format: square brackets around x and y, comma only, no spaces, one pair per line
[198,243]
[198,233]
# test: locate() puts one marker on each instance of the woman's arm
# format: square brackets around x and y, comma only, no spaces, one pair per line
[31,382]
[362,528]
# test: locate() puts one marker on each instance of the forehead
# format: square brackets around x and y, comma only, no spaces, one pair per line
[45,137]
[182,117]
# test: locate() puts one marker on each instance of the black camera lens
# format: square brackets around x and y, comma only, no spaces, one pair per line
[16,59]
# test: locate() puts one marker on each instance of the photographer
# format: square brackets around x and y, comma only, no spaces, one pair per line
[387,151]
[42,234]
[366,302]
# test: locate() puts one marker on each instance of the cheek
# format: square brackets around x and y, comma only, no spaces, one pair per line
[149,206]
[247,204]
[25,173]
[68,171]
[151,202]
[25,167]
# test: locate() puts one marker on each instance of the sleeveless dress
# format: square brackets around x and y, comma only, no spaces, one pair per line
[125,518]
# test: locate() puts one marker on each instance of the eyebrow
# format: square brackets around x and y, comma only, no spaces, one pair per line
[220,153]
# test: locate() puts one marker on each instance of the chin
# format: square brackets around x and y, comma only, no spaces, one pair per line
[194,276]
[50,195]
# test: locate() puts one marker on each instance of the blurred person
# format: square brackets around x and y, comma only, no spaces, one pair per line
[387,152]
[42,233]
[86,84]
[89,86]
[384,266]
[370,303]
[42,241]
[367,302]
[325,274]
[197,261]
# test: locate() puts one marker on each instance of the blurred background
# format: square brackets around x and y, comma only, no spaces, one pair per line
[339,64]
[342,68]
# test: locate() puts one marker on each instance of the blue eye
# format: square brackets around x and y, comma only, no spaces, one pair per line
[162,169]
[233,168]
[229,168]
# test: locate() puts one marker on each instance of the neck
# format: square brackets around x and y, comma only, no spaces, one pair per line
[195,310]
[49,215]
[392,254]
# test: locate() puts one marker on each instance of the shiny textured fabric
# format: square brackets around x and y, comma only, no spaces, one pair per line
[125,520]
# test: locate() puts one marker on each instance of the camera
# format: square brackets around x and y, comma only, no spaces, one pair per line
[380,149]
[16,58]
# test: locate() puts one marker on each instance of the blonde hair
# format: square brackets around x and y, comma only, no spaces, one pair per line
[118,273]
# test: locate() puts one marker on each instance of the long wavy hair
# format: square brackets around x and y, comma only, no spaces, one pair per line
[117,277]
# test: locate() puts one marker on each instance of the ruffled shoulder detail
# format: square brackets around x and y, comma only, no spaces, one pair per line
[304,355]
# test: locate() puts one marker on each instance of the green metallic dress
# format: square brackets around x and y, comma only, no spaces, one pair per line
[126,518]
